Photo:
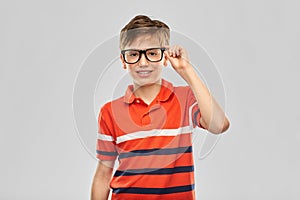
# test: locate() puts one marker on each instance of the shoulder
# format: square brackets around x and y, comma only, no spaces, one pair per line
[182,90]
[184,94]
[107,107]
[108,110]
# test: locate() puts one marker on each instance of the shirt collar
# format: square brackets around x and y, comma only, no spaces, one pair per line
[164,94]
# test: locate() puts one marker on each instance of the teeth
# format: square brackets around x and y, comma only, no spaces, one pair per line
[143,72]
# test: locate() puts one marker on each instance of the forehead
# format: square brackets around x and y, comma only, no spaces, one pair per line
[143,42]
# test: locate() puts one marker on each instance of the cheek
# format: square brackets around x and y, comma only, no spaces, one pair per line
[159,67]
[131,69]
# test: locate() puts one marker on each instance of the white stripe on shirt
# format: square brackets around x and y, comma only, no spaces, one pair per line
[154,132]
[103,137]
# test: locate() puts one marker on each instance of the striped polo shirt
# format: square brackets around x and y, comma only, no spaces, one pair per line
[152,143]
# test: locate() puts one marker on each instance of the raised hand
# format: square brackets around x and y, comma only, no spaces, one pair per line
[178,57]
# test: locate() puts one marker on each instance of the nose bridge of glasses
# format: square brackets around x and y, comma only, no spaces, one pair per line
[143,53]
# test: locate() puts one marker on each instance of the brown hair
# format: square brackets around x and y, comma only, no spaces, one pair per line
[142,24]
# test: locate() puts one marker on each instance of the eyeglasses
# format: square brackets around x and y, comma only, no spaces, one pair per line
[132,56]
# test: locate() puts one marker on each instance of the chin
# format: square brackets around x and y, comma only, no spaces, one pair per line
[148,82]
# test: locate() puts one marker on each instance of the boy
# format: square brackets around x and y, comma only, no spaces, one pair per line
[149,128]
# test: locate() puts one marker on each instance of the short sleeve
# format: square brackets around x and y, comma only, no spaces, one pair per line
[194,111]
[106,146]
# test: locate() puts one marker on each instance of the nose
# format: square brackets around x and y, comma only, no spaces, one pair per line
[143,60]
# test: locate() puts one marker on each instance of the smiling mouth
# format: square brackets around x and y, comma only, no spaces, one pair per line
[143,72]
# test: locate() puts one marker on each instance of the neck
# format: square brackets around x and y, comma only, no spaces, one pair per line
[147,92]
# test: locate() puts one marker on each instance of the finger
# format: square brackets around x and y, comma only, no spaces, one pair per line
[177,48]
[172,52]
[175,51]
[180,50]
[166,53]
[168,56]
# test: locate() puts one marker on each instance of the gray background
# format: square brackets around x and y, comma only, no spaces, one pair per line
[254,43]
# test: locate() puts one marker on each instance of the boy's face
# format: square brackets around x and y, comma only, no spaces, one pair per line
[145,72]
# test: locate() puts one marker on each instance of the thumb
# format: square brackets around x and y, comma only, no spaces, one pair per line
[167,56]
[166,53]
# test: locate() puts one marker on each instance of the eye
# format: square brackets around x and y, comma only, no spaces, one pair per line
[132,54]
[153,53]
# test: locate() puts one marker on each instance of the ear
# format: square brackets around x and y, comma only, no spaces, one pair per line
[123,62]
[165,60]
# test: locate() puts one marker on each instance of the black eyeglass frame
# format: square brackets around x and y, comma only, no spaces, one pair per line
[143,52]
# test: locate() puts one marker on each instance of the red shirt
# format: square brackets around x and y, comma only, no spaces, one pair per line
[152,142]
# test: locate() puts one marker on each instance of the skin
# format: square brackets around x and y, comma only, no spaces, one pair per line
[147,87]
[213,117]
[101,180]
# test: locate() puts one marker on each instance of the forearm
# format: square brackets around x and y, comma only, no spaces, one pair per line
[100,187]
[100,190]
[212,116]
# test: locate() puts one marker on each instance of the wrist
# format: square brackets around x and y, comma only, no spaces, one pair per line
[187,73]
